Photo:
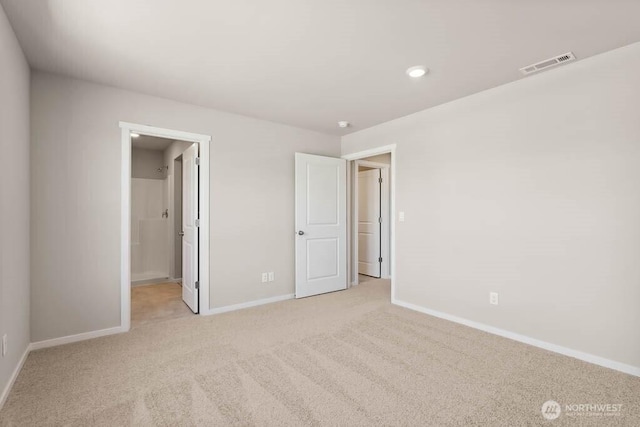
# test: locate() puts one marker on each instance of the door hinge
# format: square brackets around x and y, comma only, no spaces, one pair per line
[380,259]
[197,285]
[380,220]
[197,161]
[380,180]
[197,223]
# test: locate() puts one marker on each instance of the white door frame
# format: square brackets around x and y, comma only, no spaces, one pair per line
[392,198]
[385,270]
[125,213]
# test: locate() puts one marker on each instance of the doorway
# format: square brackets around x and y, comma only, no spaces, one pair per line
[157,230]
[165,226]
[383,160]
[326,220]
[371,192]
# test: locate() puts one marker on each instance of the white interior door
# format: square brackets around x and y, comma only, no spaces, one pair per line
[369,223]
[321,229]
[190,238]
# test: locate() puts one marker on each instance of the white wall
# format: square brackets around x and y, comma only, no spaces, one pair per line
[531,190]
[76,234]
[149,229]
[145,164]
[174,150]
[14,200]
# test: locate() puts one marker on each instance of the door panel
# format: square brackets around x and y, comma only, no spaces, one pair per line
[322,197]
[322,258]
[321,215]
[369,215]
[190,239]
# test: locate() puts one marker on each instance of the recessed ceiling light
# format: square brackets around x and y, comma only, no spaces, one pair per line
[417,71]
[134,135]
[344,124]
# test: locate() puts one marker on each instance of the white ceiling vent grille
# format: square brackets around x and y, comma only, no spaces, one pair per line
[548,63]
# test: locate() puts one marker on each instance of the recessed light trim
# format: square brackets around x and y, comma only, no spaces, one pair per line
[417,71]
[134,135]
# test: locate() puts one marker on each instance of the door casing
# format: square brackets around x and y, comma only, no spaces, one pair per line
[125,213]
[352,229]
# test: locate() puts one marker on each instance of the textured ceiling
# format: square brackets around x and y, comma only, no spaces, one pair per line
[312,63]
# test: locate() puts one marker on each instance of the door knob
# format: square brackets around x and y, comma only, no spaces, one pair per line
[300,233]
[181,233]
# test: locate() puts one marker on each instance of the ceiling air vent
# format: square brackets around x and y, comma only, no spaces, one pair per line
[548,63]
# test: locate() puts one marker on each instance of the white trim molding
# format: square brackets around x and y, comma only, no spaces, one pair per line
[165,133]
[585,357]
[125,230]
[204,142]
[78,337]
[391,148]
[14,376]
[249,304]
[54,342]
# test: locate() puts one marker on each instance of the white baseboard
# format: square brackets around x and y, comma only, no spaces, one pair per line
[116,330]
[14,376]
[75,338]
[586,357]
[52,343]
[248,304]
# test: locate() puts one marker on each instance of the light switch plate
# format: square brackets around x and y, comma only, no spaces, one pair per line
[272,276]
[401,216]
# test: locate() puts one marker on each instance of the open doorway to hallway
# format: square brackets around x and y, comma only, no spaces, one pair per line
[371,215]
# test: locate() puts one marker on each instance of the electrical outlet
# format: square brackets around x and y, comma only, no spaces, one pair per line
[272,276]
[493,298]
[265,277]
[4,345]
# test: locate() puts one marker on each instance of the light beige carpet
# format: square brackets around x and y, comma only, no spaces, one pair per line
[347,358]
[157,302]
